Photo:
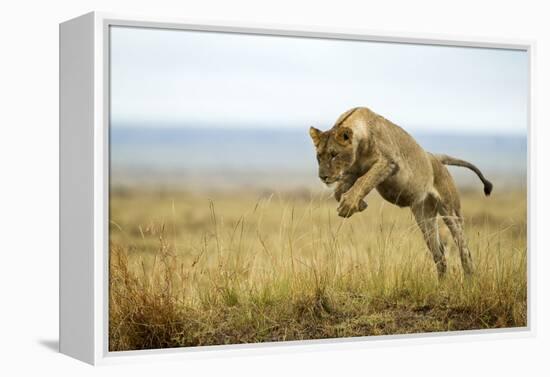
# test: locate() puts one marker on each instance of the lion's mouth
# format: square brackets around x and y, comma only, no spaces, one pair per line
[329,181]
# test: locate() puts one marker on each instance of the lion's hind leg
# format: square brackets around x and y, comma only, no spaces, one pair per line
[425,214]
[449,209]
[455,223]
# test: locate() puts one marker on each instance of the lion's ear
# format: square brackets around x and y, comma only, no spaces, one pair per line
[344,135]
[315,135]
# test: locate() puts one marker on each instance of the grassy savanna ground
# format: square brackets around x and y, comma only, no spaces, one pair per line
[194,269]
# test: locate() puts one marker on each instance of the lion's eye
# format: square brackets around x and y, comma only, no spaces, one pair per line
[333,155]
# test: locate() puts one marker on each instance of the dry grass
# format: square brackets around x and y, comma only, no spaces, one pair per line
[189,270]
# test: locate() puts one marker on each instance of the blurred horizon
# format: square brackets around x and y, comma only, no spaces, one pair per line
[284,159]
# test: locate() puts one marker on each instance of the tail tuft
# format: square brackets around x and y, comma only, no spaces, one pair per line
[487,188]
[447,160]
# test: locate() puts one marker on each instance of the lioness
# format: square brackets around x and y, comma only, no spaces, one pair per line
[363,151]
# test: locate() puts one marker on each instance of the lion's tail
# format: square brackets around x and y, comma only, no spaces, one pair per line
[447,160]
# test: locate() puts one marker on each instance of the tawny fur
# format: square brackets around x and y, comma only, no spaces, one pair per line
[364,151]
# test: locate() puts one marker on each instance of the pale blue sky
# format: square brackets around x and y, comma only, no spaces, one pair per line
[187,78]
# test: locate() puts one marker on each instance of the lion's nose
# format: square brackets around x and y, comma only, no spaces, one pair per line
[323,177]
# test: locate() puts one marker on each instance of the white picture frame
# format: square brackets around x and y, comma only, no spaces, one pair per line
[84,187]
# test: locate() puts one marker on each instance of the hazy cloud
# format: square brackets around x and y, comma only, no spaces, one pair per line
[235,80]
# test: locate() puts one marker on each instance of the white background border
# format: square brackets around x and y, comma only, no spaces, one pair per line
[29,152]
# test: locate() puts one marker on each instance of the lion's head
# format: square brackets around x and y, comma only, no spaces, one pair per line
[335,152]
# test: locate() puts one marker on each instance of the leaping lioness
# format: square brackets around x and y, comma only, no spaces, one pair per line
[363,151]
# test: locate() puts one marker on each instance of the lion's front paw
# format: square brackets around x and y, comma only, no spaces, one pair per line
[350,204]
[338,195]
